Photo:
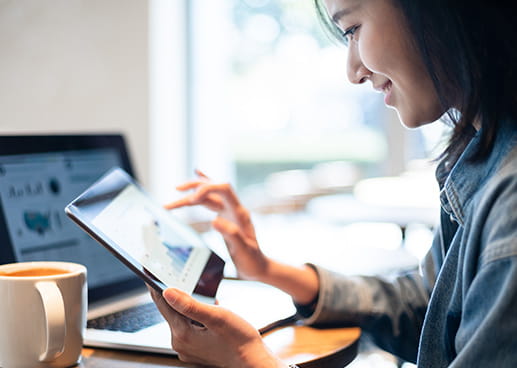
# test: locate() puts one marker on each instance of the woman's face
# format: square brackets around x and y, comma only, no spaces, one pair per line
[381,51]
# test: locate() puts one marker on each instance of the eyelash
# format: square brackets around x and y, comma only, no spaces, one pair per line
[348,34]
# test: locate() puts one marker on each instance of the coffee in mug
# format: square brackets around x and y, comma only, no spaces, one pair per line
[31,272]
[42,314]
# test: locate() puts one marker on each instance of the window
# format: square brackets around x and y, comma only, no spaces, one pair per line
[266,92]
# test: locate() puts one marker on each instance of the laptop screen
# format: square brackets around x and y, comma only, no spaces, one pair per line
[39,176]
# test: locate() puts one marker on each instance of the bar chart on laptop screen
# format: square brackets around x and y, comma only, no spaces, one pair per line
[34,190]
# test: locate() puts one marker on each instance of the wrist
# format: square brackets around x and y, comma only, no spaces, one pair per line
[262,269]
[300,282]
[259,356]
[268,271]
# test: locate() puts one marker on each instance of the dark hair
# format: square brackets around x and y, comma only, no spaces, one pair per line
[470,51]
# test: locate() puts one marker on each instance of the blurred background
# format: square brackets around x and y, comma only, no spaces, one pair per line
[252,92]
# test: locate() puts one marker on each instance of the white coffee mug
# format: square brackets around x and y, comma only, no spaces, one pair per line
[42,314]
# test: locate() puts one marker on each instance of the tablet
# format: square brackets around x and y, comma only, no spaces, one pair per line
[159,248]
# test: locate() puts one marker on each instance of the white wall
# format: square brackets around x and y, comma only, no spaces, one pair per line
[76,66]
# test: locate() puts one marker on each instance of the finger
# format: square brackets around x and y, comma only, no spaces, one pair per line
[167,312]
[205,195]
[177,321]
[179,203]
[194,183]
[189,307]
[225,190]
[212,201]
[201,174]
[190,185]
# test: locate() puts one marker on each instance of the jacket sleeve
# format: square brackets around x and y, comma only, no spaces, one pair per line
[390,311]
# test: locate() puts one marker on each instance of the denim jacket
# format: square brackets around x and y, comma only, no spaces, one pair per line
[460,308]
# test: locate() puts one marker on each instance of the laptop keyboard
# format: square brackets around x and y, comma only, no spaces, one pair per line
[128,320]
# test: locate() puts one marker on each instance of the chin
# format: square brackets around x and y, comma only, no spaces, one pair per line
[413,121]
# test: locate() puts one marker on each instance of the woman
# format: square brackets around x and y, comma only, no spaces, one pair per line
[431,58]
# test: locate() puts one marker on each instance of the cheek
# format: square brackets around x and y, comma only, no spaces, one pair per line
[372,53]
[381,45]
[382,50]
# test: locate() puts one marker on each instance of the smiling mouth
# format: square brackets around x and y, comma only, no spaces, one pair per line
[386,88]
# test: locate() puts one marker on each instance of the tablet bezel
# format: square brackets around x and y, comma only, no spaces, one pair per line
[82,212]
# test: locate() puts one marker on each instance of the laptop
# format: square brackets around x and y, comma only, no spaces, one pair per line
[39,176]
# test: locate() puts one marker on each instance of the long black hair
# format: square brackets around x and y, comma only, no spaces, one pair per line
[469,48]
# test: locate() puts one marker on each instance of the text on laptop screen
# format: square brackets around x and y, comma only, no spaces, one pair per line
[34,189]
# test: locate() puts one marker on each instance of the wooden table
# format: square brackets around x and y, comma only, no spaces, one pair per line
[293,344]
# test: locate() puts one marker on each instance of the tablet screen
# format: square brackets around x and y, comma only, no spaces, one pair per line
[147,238]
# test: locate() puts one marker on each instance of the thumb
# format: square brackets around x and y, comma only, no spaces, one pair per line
[189,307]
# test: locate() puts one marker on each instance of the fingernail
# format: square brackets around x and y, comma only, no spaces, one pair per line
[170,295]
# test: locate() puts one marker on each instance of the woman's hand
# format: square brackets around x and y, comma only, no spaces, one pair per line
[232,221]
[224,340]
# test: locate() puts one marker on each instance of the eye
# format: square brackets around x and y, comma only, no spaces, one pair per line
[348,34]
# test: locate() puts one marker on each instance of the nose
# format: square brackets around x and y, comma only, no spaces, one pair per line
[357,73]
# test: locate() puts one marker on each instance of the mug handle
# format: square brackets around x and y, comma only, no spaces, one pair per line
[55,326]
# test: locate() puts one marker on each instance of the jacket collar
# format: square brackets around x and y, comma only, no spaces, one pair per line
[460,179]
